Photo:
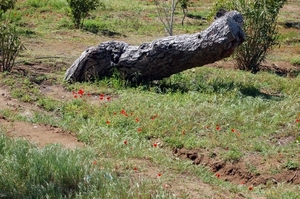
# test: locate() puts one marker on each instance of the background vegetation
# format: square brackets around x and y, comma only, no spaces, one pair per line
[128,131]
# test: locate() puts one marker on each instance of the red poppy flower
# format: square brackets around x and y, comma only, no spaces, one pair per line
[107,122]
[297,120]
[218,128]
[125,142]
[183,133]
[155,144]
[80,92]
[139,129]
[102,95]
[89,94]
[94,162]
[159,174]
[135,168]
[217,175]
[232,130]
[75,96]
[137,119]
[108,98]
[123,112]
[101,98]
[250,188]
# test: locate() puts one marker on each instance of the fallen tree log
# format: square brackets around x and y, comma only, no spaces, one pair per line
[162,57]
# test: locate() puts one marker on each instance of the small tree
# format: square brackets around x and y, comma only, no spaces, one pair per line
[10,42]
[80,10]
[184,7]
[166,14]
[10,46]
[260,28]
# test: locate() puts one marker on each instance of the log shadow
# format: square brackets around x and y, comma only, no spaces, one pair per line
[183,86]
[252,91]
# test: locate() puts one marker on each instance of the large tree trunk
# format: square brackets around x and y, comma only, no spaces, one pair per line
[162,57]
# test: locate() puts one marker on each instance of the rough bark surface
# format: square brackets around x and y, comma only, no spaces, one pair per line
[162,57]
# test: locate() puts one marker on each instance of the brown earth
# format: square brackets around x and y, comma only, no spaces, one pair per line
[251,170]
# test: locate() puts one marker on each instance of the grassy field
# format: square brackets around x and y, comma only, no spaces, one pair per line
[209,132]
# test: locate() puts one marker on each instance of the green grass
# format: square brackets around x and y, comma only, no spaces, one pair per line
[31,172]
[233,113]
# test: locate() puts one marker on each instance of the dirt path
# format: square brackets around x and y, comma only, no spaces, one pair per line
[36,133]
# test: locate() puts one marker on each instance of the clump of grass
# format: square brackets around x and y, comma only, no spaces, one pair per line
[54,172]
[27,171]
[295,61]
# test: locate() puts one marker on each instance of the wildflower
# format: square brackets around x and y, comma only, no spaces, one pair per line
[159,174]
[108,98]
[123,112]
[232,130]
[183,133]
[94,162]
[89,94]
[75,96]
[102,95]
[155,144]
[242,182]
[153,117]
[125,142]
[218,127]
[137,119]
[139,129]
[250,188]
[297,120]
[217,175]
[80,92]
[101,98]
[107,122]
[135,168]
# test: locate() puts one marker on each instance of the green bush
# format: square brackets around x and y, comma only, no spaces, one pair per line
[80,10]
[260,28]
[6,5]
[10,46]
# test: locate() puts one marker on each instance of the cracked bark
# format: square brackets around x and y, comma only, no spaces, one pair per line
[162,57]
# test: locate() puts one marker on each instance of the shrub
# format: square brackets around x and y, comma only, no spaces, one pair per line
[80,10]
[10,46]
[260,29]
[5,5]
